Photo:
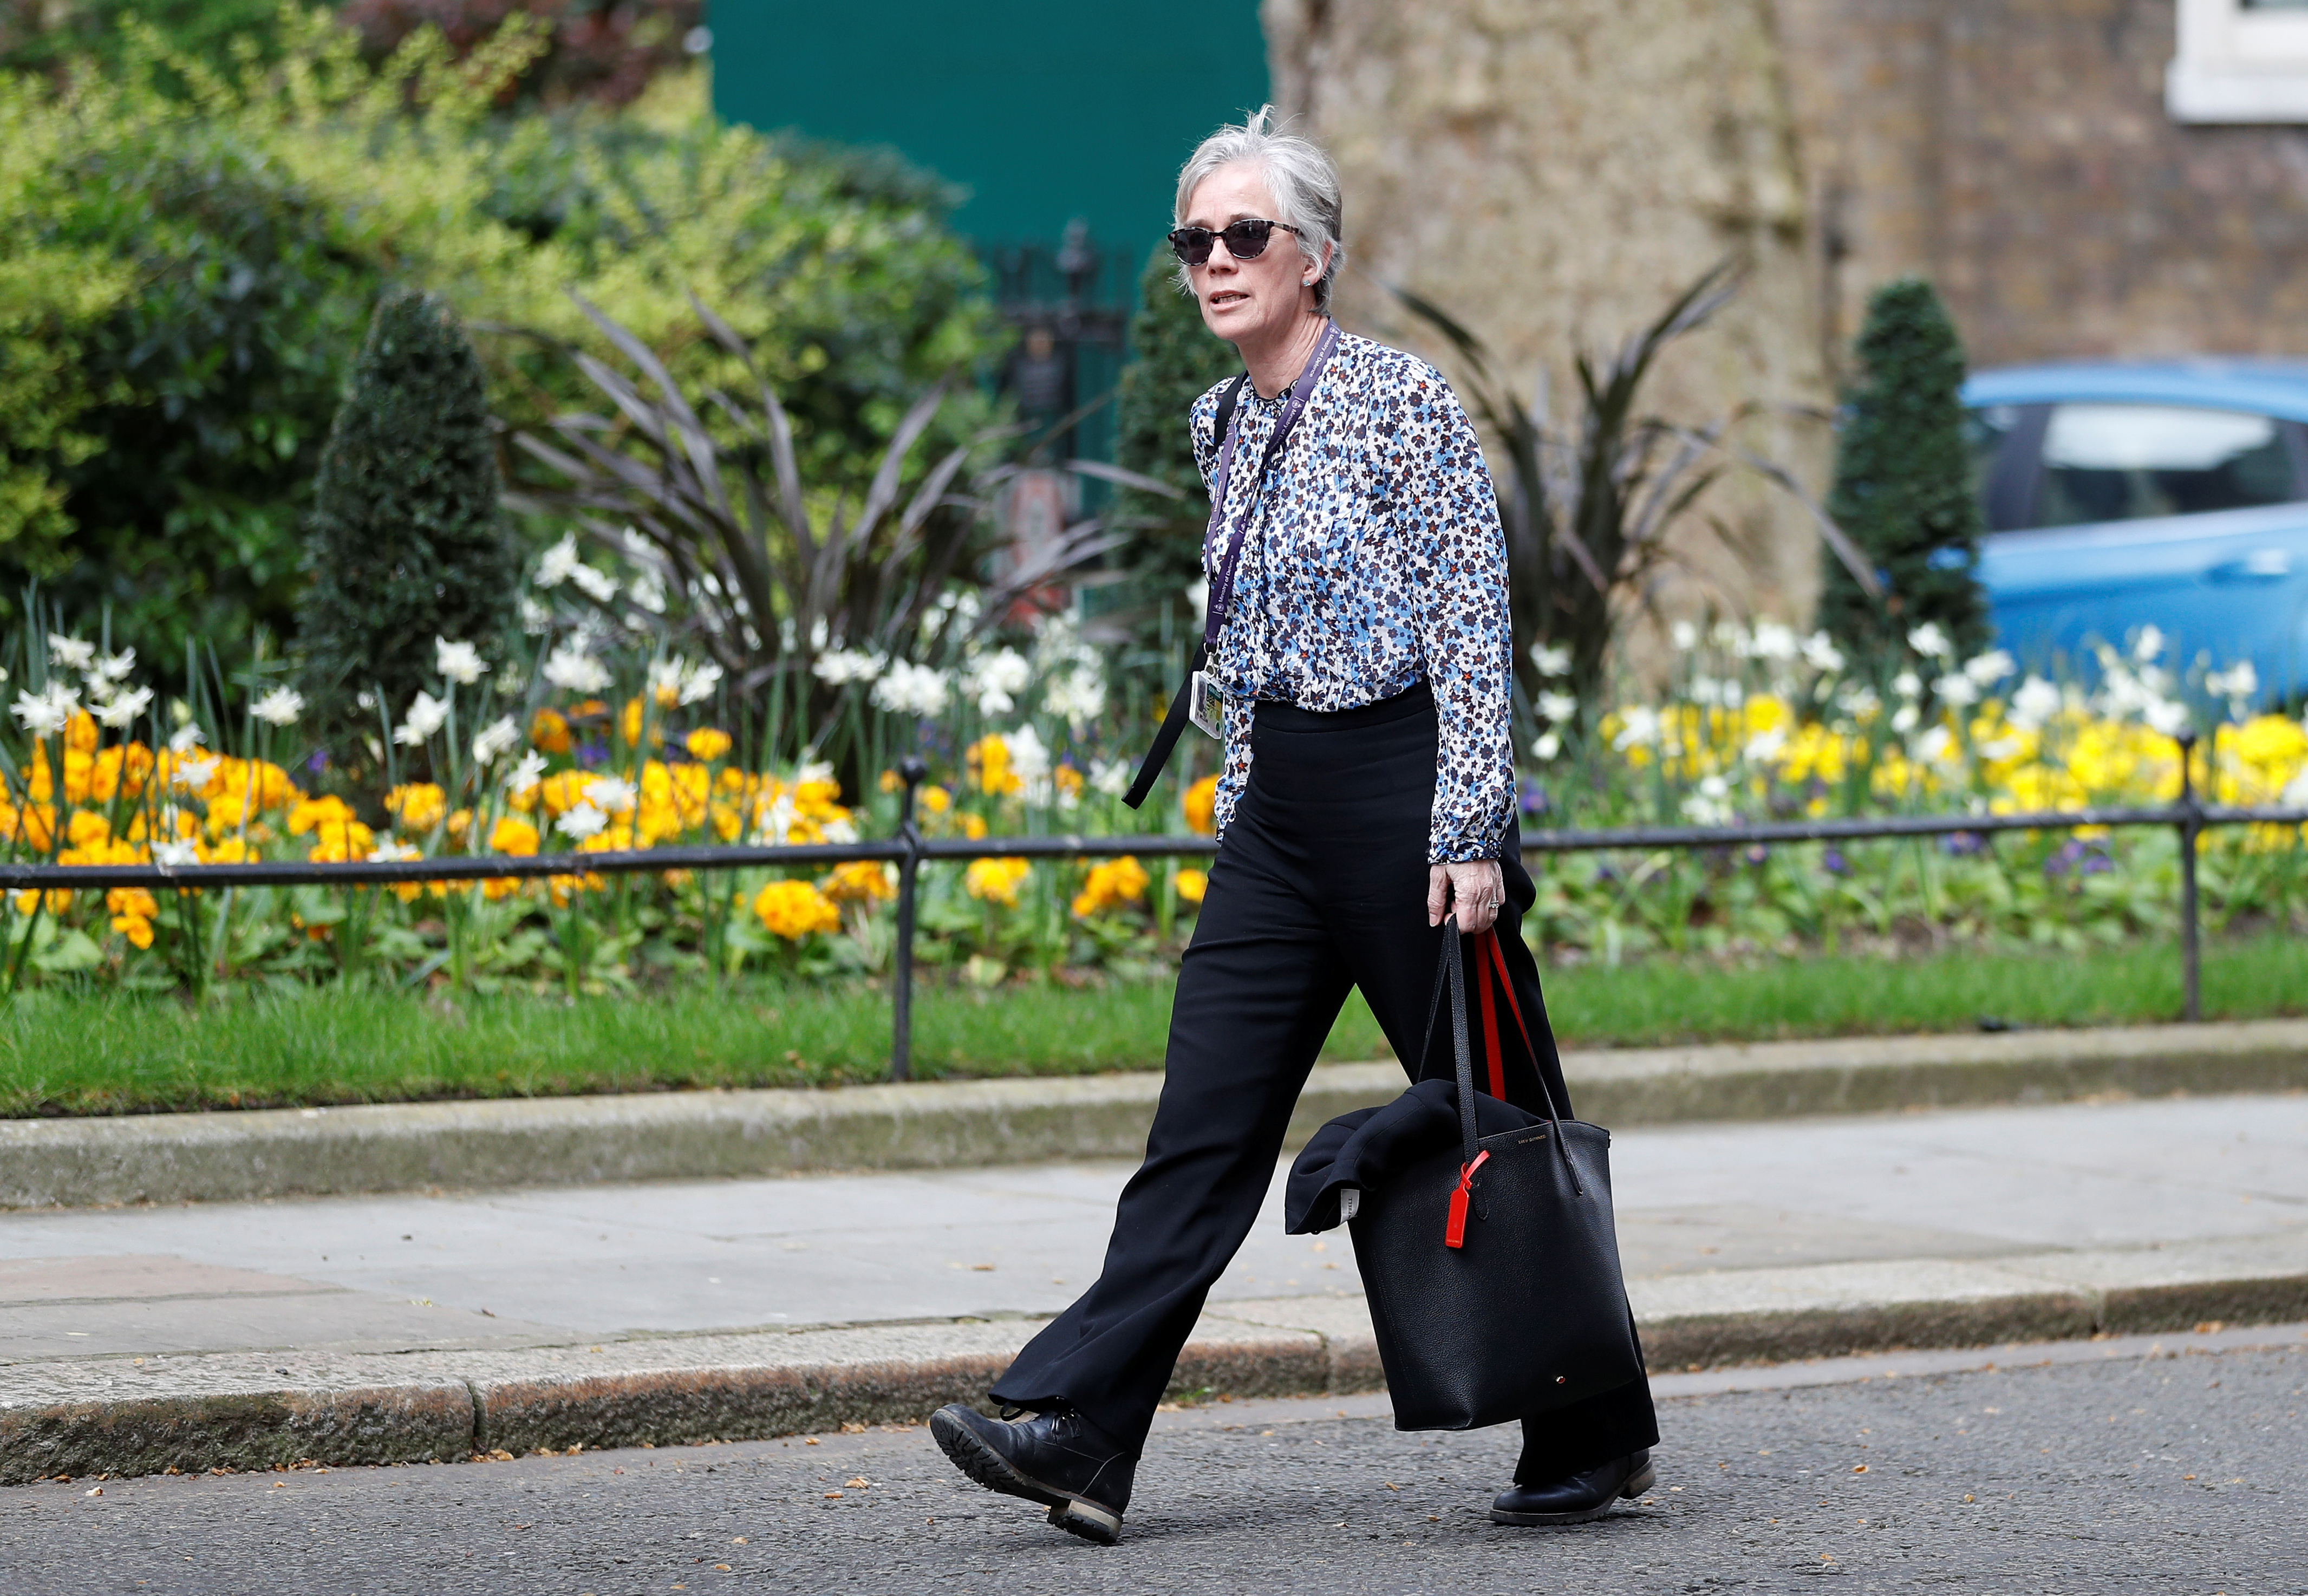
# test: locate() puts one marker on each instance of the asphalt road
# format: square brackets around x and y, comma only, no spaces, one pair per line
[2167,1474]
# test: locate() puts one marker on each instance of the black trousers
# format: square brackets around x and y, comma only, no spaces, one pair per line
[1319,887]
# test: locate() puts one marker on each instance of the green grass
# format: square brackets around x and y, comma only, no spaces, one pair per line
[64,1055]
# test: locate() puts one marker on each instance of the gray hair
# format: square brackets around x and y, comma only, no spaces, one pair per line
[1299,175]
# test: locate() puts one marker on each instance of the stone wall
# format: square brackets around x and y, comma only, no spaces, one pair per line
[1552,172]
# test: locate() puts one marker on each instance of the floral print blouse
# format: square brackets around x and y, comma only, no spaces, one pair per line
[1374,561]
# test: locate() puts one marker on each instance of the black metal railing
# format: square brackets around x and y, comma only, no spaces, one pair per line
[2188,816]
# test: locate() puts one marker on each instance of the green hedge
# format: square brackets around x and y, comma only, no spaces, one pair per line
[187,264]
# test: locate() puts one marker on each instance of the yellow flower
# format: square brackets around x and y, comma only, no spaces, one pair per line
[707,743]
[1193,884]
[132,900]
[1110,886]
[81,735]
[629,723]
[418,806]
[87,826]
[1202,804]
[137,928]
[997,881]
[861,881]
[514,836]
[794,909]
[548,733]
[563,791]
[318,812]
[973,826]
[989,757]
[935,800]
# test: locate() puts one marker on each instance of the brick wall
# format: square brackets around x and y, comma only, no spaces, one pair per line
[2019,152]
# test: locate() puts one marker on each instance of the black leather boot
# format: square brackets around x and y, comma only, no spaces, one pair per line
[1578,1498]
[1058,1459]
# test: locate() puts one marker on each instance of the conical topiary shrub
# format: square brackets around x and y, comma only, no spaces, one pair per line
[405,541]
[1903,488]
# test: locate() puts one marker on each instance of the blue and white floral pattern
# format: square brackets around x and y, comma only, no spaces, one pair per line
[1374,560]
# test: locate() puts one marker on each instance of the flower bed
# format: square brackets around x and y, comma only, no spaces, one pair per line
[553,755]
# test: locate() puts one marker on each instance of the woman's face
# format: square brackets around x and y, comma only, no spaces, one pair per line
[1255,299]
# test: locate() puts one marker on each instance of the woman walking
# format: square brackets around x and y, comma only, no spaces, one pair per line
[1361,649]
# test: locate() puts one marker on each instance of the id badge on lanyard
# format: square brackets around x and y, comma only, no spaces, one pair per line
[1205,704]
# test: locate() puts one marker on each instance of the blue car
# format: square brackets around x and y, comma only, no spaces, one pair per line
[2175,493]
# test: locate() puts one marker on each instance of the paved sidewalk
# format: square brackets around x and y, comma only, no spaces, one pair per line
[413,1326]
[396,1272]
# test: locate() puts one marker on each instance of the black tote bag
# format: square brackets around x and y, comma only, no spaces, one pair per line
[1493,1268]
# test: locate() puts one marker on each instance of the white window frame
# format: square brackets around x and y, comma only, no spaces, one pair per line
[2238,63]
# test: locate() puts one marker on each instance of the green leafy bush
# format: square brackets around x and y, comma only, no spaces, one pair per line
[182,290]
[408,543]
[1903,488]
[1175,360]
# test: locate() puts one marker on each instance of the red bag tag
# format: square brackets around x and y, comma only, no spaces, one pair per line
[1455,1234]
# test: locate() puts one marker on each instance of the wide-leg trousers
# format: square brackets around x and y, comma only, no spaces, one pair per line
[1319,887]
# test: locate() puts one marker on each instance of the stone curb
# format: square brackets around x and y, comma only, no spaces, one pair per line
[261,1410]
[173,1158]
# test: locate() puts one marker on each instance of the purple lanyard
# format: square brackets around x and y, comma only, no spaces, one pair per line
[1221,602]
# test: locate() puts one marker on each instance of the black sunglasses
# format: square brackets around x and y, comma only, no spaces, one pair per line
[1245,240]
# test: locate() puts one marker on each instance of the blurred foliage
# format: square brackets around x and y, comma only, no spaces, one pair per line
[49,37]
[182,293]
[604,50]
[1903,484]
[1175,361]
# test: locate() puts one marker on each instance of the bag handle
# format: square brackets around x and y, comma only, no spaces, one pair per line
[1451,971]
[1498,969]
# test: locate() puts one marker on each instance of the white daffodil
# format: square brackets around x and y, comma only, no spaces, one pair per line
[389,849]
[498,738]
[1929,640]
[910,689]
[647,591]
[2147,644]
[611,795]
[995,679]
[1773,640]
[460,662]
[1551,658]
[1684,635]
[123,710]
[1938,746]
[1546,747]
[2167,716]
[115,667]
[527,773]
[1639,729]
[699,681]
[187,737]
[570,667]
[69,652]
[559,561]
[1110,776]
[1558,708]
[2034,704]
[193,774]
[1029,759]
[837,668]
[426,716]
[1956,689]
[1907,684]
[1765,746]
[1906,718]
[43,714]
[1820,653]
[1991,667]
[279,707]
[536,619]
[581,821]
[1079,696]
[170,856]
[2242,681]
[598,585]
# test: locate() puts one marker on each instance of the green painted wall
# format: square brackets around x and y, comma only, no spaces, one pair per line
[1046,110]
